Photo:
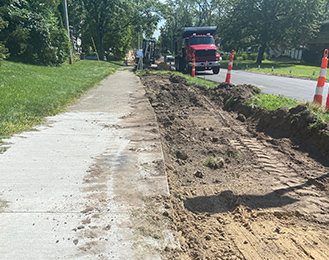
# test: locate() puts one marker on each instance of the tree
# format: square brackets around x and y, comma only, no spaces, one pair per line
[272,23]
[34,33]
[185,13]
[111,21]
[178,14]
[3,24]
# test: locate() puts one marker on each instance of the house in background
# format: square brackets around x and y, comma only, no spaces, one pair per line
[318,45]
[295,54]
[312,52]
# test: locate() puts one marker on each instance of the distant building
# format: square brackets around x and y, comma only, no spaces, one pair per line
[312,52]
[295,54]
[319,44]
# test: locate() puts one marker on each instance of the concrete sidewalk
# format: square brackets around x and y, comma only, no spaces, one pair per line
[82,186]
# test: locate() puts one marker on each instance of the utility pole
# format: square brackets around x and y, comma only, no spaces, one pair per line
[139,41]
[172,41]
[67,27]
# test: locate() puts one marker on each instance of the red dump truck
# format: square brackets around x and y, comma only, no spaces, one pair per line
[198,41]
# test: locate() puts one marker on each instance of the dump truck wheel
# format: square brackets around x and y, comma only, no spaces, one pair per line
[188,69]
[179,64]
[216,70]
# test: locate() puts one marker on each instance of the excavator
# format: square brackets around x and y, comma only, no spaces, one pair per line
[146,57]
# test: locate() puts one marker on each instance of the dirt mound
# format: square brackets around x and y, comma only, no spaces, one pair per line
[244,183]
[298,122]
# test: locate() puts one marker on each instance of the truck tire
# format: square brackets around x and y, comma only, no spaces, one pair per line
[179,64]
[188,68]
[216,70]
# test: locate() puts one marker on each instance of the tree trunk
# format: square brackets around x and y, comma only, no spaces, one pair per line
[261,52]
[101,47]
[101,44]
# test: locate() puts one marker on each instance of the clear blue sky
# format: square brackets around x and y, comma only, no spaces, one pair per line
[157,31]
[161,23]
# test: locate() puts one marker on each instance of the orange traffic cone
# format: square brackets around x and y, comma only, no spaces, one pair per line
[229,69]
[318,97]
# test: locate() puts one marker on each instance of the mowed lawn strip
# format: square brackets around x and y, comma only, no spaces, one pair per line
[271,102]
[284,68]
[29,93]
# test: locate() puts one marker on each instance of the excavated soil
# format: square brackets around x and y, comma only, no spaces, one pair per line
[244,183]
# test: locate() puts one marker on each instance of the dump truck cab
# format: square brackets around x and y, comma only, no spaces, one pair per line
[198,41]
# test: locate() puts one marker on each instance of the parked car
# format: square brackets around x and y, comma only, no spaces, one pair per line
[91,56]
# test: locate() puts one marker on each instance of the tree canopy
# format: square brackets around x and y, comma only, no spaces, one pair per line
[33,30]
[248,23]
[112,23]
[271,23]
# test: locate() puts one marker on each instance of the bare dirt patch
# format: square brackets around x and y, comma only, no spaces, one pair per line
[244,183]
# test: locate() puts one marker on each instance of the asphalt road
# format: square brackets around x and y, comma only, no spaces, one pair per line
[300,89]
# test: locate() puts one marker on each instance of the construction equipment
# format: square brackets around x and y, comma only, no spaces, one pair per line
[147,55]
[198,41]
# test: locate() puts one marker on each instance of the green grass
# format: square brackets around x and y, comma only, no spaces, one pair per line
[271,102]
[280,67]
[200,81]
[320,112]
[190,79]
[29,93]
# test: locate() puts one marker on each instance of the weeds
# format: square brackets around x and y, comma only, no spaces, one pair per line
[3,149]
[232,154]
[3,205]
[322,116]
[214,162]
[230,101]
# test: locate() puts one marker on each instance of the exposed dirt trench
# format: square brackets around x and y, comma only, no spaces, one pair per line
[237,192]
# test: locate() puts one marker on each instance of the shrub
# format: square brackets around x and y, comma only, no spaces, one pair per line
[3,53]
[253,56]
[35,34]
[225,56]
[244,56]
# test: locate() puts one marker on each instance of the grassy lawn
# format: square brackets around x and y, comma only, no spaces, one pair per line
[29,93]
[280,67]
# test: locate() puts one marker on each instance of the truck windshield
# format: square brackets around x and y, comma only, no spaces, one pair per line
[201,40]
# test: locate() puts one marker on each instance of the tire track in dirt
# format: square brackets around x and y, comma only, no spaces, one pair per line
[264,239]
[285,177]
[269,161]
[265,201]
